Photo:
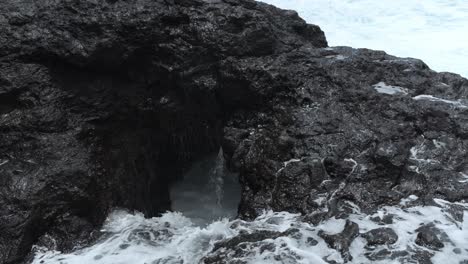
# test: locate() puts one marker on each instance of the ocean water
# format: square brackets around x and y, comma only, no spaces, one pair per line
[435,31]
[175,239]
[205,205]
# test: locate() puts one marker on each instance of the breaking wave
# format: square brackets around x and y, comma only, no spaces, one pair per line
[274,237]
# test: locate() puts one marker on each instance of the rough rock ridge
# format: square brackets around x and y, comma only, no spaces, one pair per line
[106,103]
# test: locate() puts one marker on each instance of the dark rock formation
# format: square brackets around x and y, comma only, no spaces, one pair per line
[385,220]
[431,237]
[106,103]
[311,241]
[375,147]
[231,250]
[343,240]
[380,236]
[387,254]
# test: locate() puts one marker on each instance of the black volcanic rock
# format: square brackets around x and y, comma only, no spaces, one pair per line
[431,237]
[343,240]
[237,247]
[106,103]
[380,236]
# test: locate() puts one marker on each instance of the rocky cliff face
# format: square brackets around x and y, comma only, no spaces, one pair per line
[106,103]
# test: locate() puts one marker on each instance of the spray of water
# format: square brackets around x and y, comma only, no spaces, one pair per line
[176,239]
[217,177]
[207,192]
[204,231]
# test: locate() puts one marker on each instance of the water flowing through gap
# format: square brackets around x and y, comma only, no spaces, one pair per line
[207,192]
[204,205]
[202,229]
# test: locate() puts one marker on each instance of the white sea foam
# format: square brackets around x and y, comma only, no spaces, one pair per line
[384,88]
[337,57]
[173,238]
[416,150]
[432,30]
[464,177]
[432,98]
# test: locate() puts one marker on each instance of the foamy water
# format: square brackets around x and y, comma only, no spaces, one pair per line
[174,238]
[432,30]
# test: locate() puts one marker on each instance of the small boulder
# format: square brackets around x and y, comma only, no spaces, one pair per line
[380,236]
[311,241]
[385,220]
[429,236]
[343,240]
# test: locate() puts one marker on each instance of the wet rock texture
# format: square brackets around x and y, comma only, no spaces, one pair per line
[105,103]
[242,245]
[343,240]
[431,237]
[380,236]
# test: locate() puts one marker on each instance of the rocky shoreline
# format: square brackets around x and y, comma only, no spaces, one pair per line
[105,104]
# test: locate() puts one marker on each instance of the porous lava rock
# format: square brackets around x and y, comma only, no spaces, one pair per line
[106,103]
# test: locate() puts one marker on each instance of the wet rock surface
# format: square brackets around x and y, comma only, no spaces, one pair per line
[431,237]
[343,240]
[380,236]
[242,245]
[105,104]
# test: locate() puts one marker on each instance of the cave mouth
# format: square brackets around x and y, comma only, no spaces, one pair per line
[207,191]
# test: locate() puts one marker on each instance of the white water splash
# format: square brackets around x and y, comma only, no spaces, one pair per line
[465,177]
[207,191]
[3,162]
[384,88]
[173,238]
[217,177]
[337,57]
[432,98]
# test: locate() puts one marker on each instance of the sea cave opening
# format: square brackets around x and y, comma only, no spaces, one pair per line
[208,191]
